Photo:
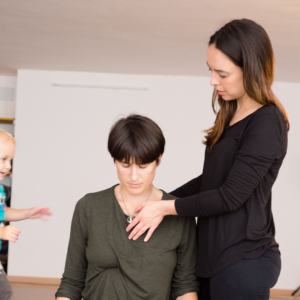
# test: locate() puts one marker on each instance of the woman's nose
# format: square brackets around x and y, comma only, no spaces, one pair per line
[213,80]
[134,173]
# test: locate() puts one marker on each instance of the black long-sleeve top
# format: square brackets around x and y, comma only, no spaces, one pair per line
[232,197]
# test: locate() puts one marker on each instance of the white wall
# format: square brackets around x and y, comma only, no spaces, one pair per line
[61,155]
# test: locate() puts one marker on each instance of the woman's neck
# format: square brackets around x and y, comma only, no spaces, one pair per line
[245,107]
[149,194]
[245,103]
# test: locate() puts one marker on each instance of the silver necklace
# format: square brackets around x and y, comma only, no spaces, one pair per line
[131,217]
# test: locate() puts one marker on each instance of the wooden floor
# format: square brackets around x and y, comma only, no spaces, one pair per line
[46,292]
[33,292]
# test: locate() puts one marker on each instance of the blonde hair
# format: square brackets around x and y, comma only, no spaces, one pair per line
[6,135]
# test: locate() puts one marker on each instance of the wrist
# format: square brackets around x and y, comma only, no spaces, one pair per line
[1,232]
[169,208]
[27,213]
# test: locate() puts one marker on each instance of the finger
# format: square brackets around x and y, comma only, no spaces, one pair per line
[141,232]
[136,229]
[149,234]
[11,239]
[37,209]
[47,212]
[40,210]
[14,235]
[16,231]
[133,223]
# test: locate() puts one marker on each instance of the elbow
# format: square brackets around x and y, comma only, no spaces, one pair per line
[231,202]
[231,207]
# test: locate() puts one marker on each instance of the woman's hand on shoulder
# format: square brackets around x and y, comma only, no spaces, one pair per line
[150,215]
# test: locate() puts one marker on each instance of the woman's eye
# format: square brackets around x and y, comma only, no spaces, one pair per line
[143,166]
[125,166]
[222,76]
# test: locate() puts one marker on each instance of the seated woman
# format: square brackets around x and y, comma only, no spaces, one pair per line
[102,263]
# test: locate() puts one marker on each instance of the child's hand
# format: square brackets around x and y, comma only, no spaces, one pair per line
[40,212]
[10,233]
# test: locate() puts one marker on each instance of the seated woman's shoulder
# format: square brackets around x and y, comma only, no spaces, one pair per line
[167,196]
[97,197]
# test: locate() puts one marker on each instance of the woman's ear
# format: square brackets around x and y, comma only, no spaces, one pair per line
[159,160]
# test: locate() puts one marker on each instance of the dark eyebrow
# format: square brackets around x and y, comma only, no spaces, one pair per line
[216,70]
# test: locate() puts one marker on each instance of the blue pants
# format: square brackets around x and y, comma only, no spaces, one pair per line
[248,279]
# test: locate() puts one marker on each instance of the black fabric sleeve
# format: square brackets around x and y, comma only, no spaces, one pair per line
[73,281]
[184,278]
[189,189]
[263,143]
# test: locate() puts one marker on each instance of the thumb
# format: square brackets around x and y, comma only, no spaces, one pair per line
[140,207]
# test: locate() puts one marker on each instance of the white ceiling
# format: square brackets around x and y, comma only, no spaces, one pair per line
[163,37]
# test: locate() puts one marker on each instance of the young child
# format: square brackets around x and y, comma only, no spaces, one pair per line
[11,233]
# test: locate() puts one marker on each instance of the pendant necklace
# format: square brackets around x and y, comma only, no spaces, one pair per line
[131,217]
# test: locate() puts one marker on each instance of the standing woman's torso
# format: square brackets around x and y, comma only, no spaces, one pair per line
[243,165]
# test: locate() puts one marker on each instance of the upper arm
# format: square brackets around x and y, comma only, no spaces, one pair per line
[184,278]
[188,189]
[73,280]
[264,143]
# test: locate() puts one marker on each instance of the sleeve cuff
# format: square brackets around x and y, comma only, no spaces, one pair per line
[181,292]
[187,207]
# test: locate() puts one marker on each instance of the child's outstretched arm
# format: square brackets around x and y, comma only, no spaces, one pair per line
[38,212]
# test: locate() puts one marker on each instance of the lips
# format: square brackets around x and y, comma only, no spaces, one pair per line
[221,92]
[134,185]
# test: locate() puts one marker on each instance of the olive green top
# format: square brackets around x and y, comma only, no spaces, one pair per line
[102,263]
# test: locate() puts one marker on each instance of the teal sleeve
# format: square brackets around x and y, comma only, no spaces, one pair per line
[2,214]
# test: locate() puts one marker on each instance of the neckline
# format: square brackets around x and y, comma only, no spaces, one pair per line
[230,126]
[118,204]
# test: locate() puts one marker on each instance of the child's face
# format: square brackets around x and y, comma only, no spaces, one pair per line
[7,151]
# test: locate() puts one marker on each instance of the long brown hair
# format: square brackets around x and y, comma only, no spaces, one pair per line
[248,46]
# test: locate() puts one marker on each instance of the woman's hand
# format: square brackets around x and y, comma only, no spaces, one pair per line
[150,215]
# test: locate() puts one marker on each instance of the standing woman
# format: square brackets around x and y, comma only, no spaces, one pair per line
[238,257]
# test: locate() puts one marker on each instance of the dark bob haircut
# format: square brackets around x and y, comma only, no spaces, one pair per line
[136,137]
